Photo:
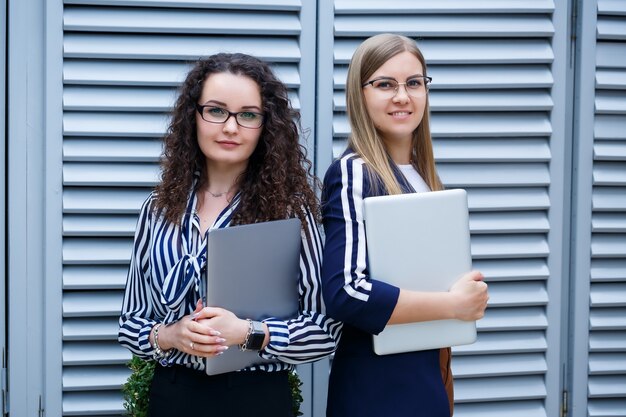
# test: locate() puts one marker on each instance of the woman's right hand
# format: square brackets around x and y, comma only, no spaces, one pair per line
[470,296]
[192,337]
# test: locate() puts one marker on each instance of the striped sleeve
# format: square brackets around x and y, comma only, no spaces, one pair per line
[312,335]
[136,320]
[351,295]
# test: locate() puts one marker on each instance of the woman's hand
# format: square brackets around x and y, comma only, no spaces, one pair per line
[470,296]
[192,336]
[231,328]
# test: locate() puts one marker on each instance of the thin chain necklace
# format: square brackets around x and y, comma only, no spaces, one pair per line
[218,195]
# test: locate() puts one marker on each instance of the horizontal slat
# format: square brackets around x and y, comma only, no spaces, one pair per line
[474,77]
[498,409]
[611,54]
[504,342]
[523,318]
[610,102]
[609,151]
[607,341]
[608,246]
[607,319]
[110,174]
[609,173]
[442,6]
[99,225]
[607,363]
[94,277]
[613,407]
[498,365]
[607,386]
[93,403]
[612,7]
[509,222]
[222,4]
[608,294]
[517,294]
[147,73]
[497,199]
[512,269]
[611,79]
[136,99]
[494,175]
[89,251]
[608,270]
[499,389]
[94,378]
[92,304]
[103,200]
[608,223]
[467,51]
[123,125]
[174,47]
[111,150]
[490,150]
[611,28]
[107,19]
[92,328]
[449,25]
[610,126]
[94,353]
[608,199]
[520,246]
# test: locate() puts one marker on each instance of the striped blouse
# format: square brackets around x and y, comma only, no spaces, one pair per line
[164,283]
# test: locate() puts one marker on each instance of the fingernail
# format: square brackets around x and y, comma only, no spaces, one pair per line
[215,333]
[223,348]
[194,316]
[220,340]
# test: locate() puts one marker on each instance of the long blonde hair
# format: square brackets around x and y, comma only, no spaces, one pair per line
[365,139]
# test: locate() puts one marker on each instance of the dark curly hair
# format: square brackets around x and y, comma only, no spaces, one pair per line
[277,181]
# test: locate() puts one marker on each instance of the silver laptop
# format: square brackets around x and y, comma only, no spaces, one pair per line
[252,270]
[420,242]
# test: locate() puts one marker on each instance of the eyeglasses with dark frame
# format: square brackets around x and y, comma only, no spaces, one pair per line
[388,87]
[214,114]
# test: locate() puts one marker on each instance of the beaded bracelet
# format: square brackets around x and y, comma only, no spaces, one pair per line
[159,355]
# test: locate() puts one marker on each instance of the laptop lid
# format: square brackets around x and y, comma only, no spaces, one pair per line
[420,242]
[252,270]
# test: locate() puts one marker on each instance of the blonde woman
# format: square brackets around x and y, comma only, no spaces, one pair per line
[389,152]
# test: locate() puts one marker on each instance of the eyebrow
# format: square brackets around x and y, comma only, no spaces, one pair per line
[386,77]
[222,104]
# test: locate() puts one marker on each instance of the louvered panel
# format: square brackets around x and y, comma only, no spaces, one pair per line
[442,6]
[612,7]
[495,409]
[611,79]
[611,102]
[508,222]
[94,378]
[607,408]
[607,386]
[507,319]
[105,277]
[517,294]
[92,328]
[150,125]
[490,199]
[493,175]
[610,126]
[608,295]
[607,363]
[217,4]
[611,28]
[147,73]
[497,247]
[607,341]
[512,269]
[92,403]
[609,223]
[609,173]
[611,55]
[91,304]
[456,25]
[499,389]
[128,20]
[490,150]
[606,199]
[608,270]
[110,175]
[122,46]
[609,151]
[608,319]
[103,200]
[85,251]
[504,342]
[608,246]
[94,353]
[498,365]
[110,150]
[99,225]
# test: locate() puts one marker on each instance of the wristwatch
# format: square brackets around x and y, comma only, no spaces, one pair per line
[254,337]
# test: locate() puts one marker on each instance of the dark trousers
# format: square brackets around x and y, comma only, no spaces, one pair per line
[180,391]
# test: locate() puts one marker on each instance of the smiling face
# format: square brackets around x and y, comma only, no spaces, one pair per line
[229,145]
[396,118]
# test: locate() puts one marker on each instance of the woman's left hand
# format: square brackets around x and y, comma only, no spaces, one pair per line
[231,327]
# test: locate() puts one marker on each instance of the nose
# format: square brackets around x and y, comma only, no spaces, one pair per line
[230,125]
[402,94]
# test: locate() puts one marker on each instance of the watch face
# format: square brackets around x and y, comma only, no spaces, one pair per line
[255,342]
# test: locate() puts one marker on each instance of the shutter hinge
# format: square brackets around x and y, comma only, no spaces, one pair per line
[5,387]
[41,409]
[564,400]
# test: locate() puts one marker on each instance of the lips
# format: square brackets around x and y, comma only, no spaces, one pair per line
[400,113]
[227,143]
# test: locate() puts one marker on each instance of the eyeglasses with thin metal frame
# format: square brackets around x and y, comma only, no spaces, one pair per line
[388,87]
[214,114]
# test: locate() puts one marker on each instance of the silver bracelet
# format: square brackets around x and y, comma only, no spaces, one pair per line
[159,355]
[242,346]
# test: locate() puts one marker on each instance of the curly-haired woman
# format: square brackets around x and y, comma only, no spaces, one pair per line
[231,156]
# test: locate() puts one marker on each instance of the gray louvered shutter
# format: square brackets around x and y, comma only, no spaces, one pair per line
[123,60]
[497,114]
[599,356]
